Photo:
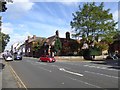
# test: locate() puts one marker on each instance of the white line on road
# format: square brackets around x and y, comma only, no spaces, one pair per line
[60,66]
[78,74]
[84,82]
[102,74]
[41,63]
[45,69]
[99,67]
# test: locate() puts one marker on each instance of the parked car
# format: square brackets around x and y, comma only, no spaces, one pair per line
[17,56]
[47,58]
[8,58]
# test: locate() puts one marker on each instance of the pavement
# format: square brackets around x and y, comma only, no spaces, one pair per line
[8,80]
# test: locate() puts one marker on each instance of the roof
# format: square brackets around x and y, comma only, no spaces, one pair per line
[36,39]
[49,40]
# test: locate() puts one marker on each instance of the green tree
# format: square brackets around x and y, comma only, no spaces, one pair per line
[4,39]
[92,23]
[0,23]
[3,7]
[58,45]
[117,36]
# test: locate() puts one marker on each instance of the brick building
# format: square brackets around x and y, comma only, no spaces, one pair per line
[69,46]
[32,46]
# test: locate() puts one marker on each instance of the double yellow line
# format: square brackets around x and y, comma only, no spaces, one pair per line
[17,78]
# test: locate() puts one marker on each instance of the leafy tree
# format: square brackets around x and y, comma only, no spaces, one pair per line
[117,36]
[0,23]
[38,44]
[58,45]
[4,39]
[92,23]
[3,7]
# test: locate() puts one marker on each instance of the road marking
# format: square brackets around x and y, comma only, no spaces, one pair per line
[17,78]
[41,63]
[60,66]
[98,67]
[84,82]
[78,74]
[102,74]
[45,69]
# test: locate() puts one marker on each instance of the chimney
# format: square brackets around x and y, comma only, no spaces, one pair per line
[34,36]
[57,33]
[67,35]
[28,37]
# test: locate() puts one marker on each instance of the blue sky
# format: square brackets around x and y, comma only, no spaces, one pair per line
[42,18]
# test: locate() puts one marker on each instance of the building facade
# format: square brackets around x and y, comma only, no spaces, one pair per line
[33,46]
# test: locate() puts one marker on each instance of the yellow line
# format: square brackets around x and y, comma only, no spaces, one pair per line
[17,77]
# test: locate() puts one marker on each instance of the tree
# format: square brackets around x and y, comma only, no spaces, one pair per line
[3,7]
[4,39]
[0,23]
[3,3]
[58,45]
[92,23]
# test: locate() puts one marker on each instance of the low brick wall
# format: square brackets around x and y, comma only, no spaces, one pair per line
[78,58]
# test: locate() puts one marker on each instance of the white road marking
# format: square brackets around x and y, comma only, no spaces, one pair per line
[41,63]
[60,66]
[45,69]
[55,66]
[99,67]
[102,74]
[78,74]
[84,82]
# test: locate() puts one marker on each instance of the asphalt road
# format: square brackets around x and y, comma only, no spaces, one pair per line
[65,74]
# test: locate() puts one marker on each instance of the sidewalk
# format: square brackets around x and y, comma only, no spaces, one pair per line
[8,80]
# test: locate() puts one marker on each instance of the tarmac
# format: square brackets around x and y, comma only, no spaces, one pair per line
[8,81]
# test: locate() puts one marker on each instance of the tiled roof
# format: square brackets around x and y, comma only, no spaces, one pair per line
[36,39]
[49,40]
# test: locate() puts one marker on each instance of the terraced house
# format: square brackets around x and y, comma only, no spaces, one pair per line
[33,46]
[37,46]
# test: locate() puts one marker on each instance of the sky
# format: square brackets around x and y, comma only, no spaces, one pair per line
[42,18]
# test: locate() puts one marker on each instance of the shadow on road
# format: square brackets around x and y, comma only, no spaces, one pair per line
[115,64]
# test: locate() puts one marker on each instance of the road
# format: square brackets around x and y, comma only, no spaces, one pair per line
[65,74]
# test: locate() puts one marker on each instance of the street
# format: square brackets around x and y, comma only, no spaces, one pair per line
[65,74]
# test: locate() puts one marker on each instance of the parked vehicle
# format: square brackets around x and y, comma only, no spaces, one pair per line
[47,58]
[8,58]
[112,56]
[17,56]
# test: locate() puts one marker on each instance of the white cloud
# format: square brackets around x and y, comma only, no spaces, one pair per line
[115,15]
[7,28]
[70,2]
[22,5]
[74,0]
[17,9]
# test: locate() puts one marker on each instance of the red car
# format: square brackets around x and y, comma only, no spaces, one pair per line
[47,58]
